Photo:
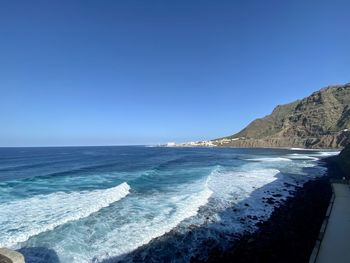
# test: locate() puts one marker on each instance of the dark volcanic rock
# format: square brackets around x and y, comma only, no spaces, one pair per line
[339,166]
[290,233]
[321,120]
[343,160]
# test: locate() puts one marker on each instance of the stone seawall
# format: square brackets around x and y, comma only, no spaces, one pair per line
[10,256]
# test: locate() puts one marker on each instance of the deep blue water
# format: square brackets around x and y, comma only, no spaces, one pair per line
[84,204]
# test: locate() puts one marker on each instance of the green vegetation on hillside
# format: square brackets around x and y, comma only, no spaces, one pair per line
[321,120]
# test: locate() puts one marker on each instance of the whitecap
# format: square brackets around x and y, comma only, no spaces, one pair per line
[238,185]
[270,159]
[172,208]
[127,224]
[325,154]
[21,219]
[297,156]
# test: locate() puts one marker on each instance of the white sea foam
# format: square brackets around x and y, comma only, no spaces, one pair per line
[151,211]
[238,185]
[299,149]
[328,153]
[21,219]
[128,224]
[312,156]
[245,190]
[270,159]
[172,208]
[238,202]
[297,156]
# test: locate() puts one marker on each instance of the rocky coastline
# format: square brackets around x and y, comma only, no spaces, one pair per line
[289,234]
[333,141]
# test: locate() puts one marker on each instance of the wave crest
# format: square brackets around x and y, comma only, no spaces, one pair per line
[21,219]
[269,159]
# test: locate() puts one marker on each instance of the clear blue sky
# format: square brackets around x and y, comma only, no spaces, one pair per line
[139,72]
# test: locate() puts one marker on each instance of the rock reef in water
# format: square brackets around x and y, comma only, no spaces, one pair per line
[321,120]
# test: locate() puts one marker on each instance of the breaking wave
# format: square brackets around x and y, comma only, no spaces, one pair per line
[271,159]
[24,218]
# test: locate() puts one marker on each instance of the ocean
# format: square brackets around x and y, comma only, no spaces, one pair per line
[139,203]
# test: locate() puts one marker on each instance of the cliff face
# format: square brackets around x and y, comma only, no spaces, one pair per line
[321,120]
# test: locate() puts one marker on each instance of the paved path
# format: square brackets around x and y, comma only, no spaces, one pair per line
[335,246]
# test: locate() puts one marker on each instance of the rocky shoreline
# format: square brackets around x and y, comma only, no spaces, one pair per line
[333,141]
[289,234]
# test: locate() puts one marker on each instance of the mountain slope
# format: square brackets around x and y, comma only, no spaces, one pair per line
[321,120]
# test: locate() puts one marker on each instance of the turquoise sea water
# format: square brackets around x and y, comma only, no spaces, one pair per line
[91,204]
